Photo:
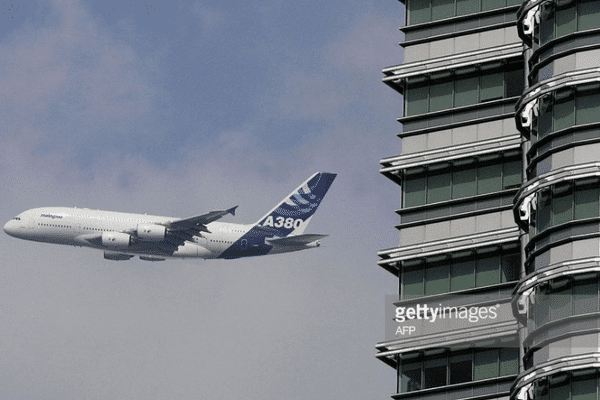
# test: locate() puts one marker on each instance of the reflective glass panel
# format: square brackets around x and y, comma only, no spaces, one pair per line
[465,7]
[492,86]
[485,364]
[410,377]
[511,171]
[412,280]
[440,96]
[437,280]
[586,202]
[416,100]
[585,387]
[466,91]
[438,186]
[564,114]
[562,205]
[588,14]
[414,190]
[588,108]
[489,178]
[442,9]
[509,361]
[419,11]
[461,368]
[462,275]
[566,21]
[435,372]
[464,182]
[488,271]
[492,4]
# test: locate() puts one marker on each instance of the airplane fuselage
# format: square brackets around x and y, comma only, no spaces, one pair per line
[155,238]
[76,226]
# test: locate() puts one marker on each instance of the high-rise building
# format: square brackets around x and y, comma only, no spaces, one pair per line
[498,258]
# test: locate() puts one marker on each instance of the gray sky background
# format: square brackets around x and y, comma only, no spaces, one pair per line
[178,108]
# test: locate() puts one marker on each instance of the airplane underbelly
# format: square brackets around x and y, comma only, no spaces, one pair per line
[189,250]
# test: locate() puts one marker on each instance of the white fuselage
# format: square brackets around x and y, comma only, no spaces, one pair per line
[73,226]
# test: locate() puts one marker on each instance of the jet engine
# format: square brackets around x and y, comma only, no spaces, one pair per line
[116,239]
[151,233]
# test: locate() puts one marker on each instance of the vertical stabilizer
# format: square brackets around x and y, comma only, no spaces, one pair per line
[293,213]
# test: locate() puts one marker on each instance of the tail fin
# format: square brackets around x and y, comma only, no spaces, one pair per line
[293,213]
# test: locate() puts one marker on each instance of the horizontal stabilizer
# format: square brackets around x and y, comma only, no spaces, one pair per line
[298,240]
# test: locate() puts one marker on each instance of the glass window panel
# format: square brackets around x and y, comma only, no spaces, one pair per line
[566,21]
[465,7]
[515,2]
[492,4]
[485,364]
[585,297]
[546,27]
[509,361]
[414,190]
[466,91]
[589,14]
[435,372]
[442,9]
[437,280]
[544,211]
[464,182]
[511,171]
[410,377]
[489,178]
[586,202]
[562,206]
[588,108]
[462,275]
[560,303]
[584,388]
[461,368]
[510,267]
[564,114]
[412,280]
[419,11]
[545,117]
[492,86]
[561,391]
[541,308]
[440,96]
[416,100]
[515,82]
[541,390]
[438,187]
[487,271]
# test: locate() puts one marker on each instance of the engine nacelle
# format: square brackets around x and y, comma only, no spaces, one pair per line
[116,240]
[116,256]
[151,233]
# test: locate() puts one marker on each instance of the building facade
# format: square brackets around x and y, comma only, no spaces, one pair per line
[499,249]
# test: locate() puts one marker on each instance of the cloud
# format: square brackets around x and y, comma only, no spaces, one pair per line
[82,109]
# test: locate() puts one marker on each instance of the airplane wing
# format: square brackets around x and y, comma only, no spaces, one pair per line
[298,240]
[178,231]
[199,222]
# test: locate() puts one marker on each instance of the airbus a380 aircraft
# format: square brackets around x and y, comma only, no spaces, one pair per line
[155,238]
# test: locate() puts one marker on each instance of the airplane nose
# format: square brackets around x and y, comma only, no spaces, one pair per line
[10,228]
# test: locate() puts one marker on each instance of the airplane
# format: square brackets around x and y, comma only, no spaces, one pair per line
[155,238]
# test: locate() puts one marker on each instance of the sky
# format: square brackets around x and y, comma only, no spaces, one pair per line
[178,108]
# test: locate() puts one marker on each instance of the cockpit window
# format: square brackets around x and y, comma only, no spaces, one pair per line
[17,218]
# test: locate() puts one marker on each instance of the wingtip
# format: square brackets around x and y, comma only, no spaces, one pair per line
[232,210]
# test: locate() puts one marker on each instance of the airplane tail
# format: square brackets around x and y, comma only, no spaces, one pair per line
[291,216]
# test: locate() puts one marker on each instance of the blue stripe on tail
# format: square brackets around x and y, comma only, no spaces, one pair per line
[291,215]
